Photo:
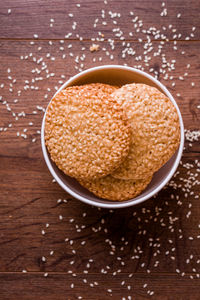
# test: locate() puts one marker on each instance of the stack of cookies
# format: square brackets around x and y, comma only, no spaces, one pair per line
[111,139]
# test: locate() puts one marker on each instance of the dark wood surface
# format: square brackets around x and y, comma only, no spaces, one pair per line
[51,245]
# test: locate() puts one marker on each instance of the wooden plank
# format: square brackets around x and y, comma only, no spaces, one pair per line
[58,286]
[33,17]
[185,94]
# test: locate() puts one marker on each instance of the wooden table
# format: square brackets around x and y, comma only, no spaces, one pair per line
[53,246]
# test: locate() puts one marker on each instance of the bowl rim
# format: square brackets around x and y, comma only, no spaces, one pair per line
[118,204]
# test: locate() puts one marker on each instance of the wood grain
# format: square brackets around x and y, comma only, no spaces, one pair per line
[32,17]
[59,284]
[187,100]
[157,241]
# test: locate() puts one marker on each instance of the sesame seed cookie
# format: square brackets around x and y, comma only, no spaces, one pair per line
[114,189]
[86,132]
[155,130]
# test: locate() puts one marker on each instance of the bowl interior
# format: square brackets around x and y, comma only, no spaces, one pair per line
[116,76]
[113,76]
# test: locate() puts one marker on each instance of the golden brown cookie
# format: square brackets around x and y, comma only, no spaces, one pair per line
[114,189]
[155,130]
[86,132]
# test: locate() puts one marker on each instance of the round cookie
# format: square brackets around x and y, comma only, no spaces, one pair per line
[114,189]
[155,130]
[86,132]
[99,88]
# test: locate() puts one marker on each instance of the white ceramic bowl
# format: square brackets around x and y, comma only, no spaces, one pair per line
[116,75]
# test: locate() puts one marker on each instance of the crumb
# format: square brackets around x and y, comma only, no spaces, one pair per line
[94,48]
